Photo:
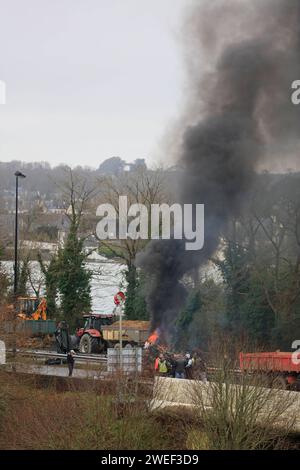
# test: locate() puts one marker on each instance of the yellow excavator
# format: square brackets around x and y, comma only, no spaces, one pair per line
[31,308]
[31,314]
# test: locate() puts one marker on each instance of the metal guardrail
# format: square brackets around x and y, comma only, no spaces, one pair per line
[84,357]
[49,354]
[212,369]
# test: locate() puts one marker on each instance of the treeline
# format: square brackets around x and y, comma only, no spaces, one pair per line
[254,291]
[258,298]
[42,178]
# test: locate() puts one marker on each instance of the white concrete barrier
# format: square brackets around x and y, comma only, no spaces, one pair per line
[2,353]
[169,392]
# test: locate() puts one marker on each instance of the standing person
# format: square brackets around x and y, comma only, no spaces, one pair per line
[171,363]
[156,364]
[189,362]
[70,361]
[162,366]
[180,367]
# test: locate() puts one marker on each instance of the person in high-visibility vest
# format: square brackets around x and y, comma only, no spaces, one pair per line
[156,364]
[162,366]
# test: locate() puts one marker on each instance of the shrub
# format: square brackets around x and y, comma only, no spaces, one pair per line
[243,414]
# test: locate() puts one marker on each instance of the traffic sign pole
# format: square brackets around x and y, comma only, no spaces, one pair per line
[119,300]
[121,341]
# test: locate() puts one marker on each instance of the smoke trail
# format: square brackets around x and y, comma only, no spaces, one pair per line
[240,111]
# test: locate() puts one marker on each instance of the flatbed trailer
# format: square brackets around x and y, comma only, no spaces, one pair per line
[134,332]
[284,366]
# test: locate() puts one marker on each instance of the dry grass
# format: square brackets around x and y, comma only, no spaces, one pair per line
[35,418]
[54,414]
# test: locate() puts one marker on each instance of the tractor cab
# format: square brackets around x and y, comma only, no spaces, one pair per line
[96,322]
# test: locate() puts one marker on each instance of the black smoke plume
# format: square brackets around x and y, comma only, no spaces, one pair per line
[242,59]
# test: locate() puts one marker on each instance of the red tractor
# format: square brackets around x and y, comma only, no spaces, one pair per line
[101,331]
[90,337]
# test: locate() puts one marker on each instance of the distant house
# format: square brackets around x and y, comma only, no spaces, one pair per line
[115,166]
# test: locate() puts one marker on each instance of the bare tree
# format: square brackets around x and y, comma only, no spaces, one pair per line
[141,187]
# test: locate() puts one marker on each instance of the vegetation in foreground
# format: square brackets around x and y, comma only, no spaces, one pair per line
[36,418]
[240,412]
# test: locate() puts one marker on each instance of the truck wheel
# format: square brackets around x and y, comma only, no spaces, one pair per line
[88,345]
[279,382]
[124,345]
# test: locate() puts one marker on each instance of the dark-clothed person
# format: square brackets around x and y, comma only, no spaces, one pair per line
[171,363]
[180,368]
[189,362]
[70,361]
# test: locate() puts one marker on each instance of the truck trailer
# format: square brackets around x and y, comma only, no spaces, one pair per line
[281,368]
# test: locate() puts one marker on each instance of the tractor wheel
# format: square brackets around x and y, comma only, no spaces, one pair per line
[88,345]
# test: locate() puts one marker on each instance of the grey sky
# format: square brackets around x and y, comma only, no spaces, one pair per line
[88,79]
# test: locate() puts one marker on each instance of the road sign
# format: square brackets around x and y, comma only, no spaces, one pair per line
[119,298]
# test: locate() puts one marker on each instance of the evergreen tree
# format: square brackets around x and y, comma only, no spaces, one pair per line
[248,314]
[23,276]
[73,280]
[185,319]
[135,305]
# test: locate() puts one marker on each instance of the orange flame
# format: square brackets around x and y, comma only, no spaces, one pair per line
[152,339]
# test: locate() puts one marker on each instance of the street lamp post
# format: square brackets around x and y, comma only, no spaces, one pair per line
[18,175]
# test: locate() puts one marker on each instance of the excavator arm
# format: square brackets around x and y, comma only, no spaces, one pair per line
[39,314]
[41,311]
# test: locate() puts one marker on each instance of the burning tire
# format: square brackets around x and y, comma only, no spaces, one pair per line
[88,345]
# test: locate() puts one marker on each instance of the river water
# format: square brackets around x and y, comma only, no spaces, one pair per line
[107,279]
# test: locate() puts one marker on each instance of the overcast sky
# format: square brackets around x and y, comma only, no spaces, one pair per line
[88,79]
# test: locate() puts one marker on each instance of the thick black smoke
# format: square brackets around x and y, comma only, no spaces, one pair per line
[243,112]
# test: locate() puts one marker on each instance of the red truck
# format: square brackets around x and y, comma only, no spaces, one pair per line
[284,367]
